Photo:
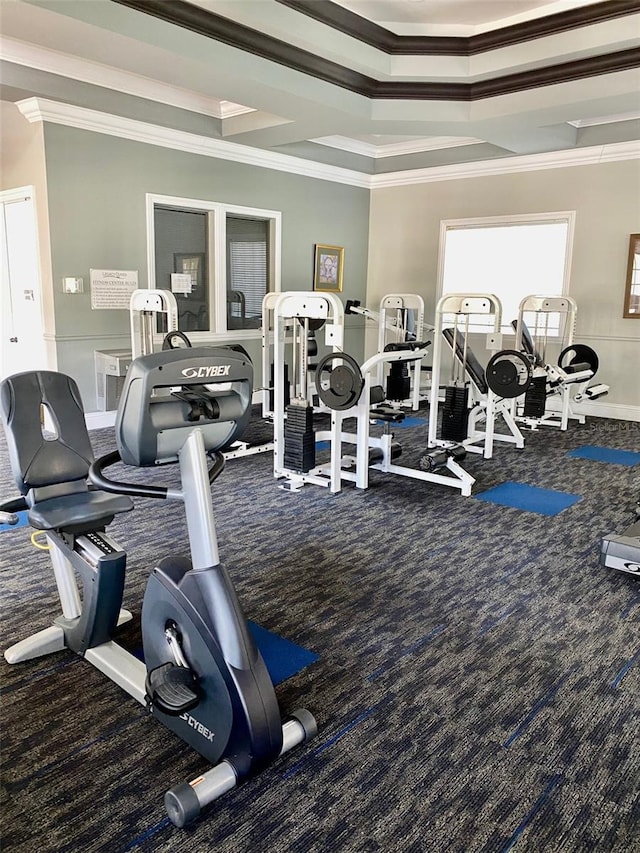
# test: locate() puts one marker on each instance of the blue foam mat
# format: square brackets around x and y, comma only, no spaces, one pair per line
[408,422]
[283,658]
[606,454]
[529,498]
[22,523]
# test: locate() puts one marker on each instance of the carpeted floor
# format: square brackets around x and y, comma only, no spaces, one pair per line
[477,688]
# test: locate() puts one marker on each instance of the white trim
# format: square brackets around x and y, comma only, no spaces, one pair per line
[41,109]
[601,409]
[88,71]
[595,122]
[466,29]
[593,155]
[17,194]
[100,420]
[217,257]
[397,149]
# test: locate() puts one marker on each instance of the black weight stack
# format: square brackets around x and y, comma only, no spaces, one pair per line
[299,439]
[535,398]
[455,413]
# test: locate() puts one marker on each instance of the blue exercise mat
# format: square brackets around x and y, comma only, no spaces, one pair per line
[407,422]
[283,658]
[528,498]
[606,454]
[22,523]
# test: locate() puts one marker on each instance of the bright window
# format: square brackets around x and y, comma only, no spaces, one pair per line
[230,254]
[510,257]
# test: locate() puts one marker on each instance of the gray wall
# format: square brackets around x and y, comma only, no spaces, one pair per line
[404,236]
[96,195]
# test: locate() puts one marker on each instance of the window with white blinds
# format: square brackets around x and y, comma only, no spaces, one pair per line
[231,255]
[247,271]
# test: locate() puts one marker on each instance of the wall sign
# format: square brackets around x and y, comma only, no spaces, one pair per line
[112,288]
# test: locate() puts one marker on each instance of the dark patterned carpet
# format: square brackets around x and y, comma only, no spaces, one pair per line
[478,687]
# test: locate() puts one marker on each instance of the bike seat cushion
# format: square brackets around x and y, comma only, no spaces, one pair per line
[95,509]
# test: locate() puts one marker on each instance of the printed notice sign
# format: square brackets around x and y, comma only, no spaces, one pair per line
[181,282]
[112,288]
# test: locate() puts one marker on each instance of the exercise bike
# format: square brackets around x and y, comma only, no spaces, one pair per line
[203,676]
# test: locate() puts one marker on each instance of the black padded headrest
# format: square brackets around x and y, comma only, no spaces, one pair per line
[473,366]
[527,341]
[38,460]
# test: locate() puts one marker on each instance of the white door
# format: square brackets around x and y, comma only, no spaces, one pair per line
[22,343]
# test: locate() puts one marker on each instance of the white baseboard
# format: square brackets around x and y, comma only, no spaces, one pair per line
[601,409]
[100,420]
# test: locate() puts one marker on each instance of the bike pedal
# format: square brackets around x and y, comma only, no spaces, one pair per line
[172,689]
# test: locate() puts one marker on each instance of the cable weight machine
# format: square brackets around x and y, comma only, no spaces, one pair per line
[474,396]
[554,321]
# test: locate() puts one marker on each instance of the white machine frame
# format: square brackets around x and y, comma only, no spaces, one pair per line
[391,330]
[482,408]
[570,387]
[303,306]
[143,307]
[458,478]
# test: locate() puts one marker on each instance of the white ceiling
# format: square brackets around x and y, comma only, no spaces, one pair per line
[104,55]
[454,17]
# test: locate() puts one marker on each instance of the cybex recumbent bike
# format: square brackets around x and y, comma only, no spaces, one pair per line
[202,676]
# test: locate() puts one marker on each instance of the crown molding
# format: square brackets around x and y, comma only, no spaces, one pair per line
[97,74]
[345,21]
[55,112]
[199,20]
[81,118]
[590,156]
[398,149]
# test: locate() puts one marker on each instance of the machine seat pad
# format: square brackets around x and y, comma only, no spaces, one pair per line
[77,509]
[386,413]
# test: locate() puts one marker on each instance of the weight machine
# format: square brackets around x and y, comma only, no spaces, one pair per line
[554,319]
[475,397]
[351,392]
[400,319]
[144,308]
[347,391]
[295,314]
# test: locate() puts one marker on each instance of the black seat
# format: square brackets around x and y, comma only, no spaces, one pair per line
[50,468]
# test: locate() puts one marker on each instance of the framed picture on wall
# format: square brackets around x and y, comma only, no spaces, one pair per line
[632,289]
[327,269]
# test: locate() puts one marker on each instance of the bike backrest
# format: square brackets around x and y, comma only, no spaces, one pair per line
[168,394]
[42,459]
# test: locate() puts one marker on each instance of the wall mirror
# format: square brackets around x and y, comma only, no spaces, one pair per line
[632,292]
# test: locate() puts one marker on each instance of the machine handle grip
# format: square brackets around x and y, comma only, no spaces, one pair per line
[97,477]
[138,490]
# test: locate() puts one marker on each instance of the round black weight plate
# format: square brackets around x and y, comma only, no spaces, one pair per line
[339,387]
[508,373]
[579,354]
[175,340]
